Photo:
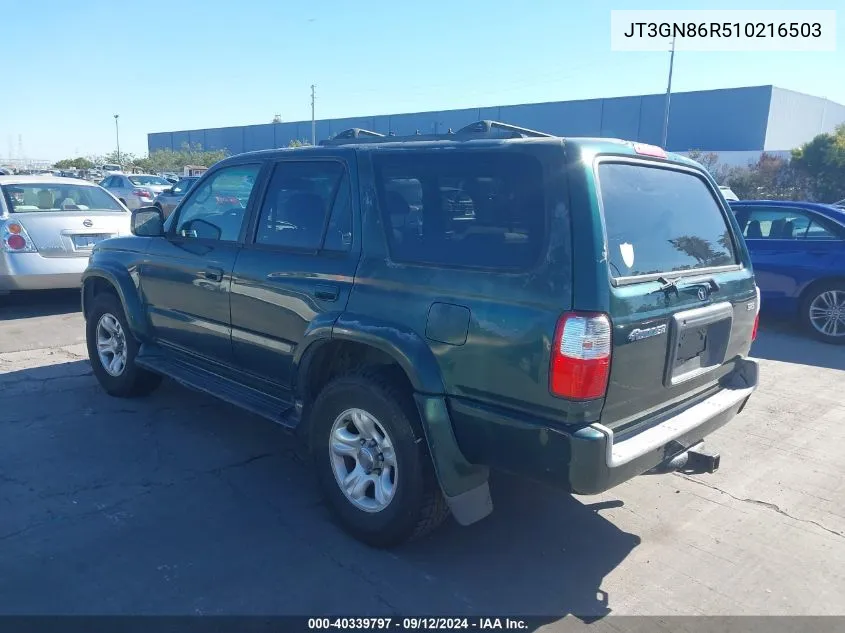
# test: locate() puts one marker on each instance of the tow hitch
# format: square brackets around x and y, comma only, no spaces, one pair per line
[699,459]
[696,459]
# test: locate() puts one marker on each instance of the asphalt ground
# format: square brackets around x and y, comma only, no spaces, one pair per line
[180,504]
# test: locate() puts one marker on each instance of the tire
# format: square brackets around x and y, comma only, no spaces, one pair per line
[416,505]
[131,380]
[821,299]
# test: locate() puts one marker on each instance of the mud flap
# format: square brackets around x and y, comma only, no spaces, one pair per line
[464,485]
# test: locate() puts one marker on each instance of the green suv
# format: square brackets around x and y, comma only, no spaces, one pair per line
[424,309]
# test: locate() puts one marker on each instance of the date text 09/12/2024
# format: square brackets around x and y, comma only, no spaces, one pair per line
[417,623]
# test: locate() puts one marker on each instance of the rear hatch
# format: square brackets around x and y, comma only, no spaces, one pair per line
[71,233]
[683,300]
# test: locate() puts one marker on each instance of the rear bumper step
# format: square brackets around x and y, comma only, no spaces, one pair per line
[621,453]
[598,463]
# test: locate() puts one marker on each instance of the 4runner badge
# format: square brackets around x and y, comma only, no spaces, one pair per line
[638,334]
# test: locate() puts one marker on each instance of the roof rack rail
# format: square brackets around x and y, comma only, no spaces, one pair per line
[357,132]
[479,129]
[487,127]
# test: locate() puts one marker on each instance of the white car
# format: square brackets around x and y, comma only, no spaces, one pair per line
[48,228]
[135,190]
[729,195]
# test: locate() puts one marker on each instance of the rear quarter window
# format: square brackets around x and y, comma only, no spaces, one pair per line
[661,220]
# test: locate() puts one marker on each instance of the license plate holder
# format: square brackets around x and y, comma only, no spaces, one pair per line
[698,342]
[88,240]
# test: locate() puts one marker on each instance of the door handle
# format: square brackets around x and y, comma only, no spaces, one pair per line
[213,274]
[326,292]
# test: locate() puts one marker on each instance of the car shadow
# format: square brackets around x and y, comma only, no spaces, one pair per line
[37,303]
[179,459]
[783,341]
[542,552]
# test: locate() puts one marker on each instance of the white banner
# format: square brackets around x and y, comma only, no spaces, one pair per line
[723,30]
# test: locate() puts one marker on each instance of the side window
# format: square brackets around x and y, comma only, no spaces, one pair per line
[468,208]
[216,209]
[817,232]
[770,223]
[298,200]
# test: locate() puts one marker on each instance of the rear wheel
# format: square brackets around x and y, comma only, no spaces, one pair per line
[823,312]
[112,350]
[372,463]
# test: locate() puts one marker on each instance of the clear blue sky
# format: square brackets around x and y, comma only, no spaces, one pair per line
[164,65]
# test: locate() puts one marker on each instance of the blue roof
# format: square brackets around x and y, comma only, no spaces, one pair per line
[828,210]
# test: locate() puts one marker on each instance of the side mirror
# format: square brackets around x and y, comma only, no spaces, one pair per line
[148,222]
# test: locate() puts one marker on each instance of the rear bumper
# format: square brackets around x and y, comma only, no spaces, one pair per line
[590,459]
[31,271]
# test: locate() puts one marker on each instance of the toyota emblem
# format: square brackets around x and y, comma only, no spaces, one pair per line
[702,294]
[88,223]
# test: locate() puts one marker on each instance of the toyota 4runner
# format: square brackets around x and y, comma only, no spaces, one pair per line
[424,309]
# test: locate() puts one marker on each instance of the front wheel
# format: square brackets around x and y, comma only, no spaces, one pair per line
[112,350]
[372,462]
[823,312]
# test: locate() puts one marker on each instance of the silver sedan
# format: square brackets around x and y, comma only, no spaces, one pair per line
[169,198]
[135,190]
[48,227]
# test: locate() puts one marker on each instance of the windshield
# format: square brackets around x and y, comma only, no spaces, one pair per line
[148,180]
[661,220]
[34,197]
[110,167]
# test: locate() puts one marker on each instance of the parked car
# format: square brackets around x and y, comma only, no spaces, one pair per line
[135,190]
[48,227]
[728,193]
[414,358]
[110,168]
[798,253]
[169,198]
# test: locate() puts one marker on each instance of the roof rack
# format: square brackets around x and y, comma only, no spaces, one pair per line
[479,129]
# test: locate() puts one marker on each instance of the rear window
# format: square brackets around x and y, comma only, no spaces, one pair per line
[148,180]
[467,209]
[36,197]
[661,220]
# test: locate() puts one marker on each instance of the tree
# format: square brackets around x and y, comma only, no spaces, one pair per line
[771,177]
[168,160]
[710,161]
[73,163]
[822,161]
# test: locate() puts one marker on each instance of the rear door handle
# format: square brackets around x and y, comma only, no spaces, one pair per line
[326,292]
[213,274]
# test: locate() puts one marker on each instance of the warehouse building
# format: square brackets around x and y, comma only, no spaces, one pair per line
[736,123]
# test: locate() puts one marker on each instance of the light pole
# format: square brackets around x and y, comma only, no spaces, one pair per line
[117,137]
[668,95]
[313,120]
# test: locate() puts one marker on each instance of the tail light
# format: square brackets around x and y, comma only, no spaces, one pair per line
[143,193]
[14,239]
[756,316]
[580,362]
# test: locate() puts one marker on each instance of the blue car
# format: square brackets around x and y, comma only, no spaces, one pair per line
[798,253]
